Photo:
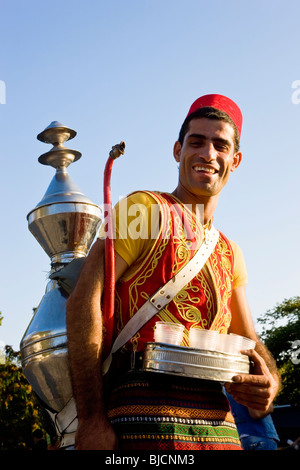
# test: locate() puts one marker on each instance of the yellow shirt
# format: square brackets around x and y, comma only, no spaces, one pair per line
[136,223]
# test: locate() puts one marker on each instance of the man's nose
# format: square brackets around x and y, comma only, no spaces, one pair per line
[208,152]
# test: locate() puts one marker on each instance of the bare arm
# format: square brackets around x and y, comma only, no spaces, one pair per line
[85,337]
[258,389]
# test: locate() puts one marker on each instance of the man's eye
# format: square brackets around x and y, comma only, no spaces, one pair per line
[196,143]
[221,147]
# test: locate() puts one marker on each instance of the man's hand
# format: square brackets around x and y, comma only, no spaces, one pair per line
[95,434]
[256,390]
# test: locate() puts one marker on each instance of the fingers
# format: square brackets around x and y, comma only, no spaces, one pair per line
[258,365]
[254,390]
[249,389]
[251,396]
[247,392]
[256,402]
[250,384]
[252,379]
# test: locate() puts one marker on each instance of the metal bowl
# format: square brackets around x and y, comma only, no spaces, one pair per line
[197,363]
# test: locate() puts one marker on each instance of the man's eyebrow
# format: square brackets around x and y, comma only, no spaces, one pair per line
[196,136]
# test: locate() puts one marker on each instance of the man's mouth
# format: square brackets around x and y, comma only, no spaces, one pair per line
[205,169]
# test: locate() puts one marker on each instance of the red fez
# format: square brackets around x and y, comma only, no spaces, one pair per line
[223,104]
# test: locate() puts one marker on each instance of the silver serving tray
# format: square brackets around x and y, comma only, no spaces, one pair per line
[190,362]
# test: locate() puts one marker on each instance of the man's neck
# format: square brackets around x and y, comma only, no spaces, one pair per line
[205,205]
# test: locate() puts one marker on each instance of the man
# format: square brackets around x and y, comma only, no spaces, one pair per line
[156,411]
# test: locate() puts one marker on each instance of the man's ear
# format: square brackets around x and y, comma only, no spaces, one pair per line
[177,151]
[237,158]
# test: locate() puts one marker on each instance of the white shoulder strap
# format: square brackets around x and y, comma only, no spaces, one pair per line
[165,294]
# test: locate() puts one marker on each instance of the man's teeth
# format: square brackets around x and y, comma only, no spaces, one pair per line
[205,169]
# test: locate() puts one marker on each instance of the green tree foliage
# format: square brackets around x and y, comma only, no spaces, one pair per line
[20,413]
[281,334]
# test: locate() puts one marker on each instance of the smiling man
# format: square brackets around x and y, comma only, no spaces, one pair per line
[206,157]
[148,411]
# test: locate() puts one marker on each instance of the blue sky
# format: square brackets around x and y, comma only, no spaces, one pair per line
[129,70]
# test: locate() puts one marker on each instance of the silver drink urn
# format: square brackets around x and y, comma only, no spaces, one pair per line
[65,223]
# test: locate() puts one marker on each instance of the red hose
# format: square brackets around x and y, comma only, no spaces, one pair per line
[109,277]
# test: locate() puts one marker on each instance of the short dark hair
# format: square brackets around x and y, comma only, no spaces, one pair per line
[210,113]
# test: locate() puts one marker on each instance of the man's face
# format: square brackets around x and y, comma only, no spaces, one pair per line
[206,157]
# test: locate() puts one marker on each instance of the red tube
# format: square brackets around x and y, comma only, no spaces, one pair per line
[109,277]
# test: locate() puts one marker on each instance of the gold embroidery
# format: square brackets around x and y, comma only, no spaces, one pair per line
[223,284]
[165,410]
[156,254]
[210,291]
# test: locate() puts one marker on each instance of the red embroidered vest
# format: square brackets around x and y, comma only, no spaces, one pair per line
[205,301]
